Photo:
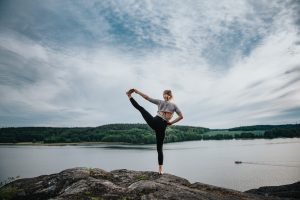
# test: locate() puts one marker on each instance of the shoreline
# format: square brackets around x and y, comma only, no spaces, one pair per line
[83,143]
[60,143]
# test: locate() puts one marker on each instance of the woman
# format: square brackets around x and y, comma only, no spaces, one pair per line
[160,122]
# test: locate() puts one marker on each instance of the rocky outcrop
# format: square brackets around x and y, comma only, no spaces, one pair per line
[94,183]
[289,191]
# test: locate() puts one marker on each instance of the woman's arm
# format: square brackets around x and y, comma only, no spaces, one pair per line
[155,101]
[142,94]
[180,117]
[179,113]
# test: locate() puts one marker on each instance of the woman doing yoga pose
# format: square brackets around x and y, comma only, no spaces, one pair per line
[160,122]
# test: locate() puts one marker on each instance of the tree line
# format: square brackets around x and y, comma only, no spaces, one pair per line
[136,133]
[265,127]
[127,133]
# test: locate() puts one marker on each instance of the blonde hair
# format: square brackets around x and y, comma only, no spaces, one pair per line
[169,92]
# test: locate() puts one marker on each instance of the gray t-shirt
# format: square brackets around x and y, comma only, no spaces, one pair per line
[165,106]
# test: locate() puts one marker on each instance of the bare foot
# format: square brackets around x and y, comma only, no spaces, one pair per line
[129,92]
[160,170]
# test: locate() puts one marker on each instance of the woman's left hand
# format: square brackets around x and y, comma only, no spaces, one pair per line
[169,123]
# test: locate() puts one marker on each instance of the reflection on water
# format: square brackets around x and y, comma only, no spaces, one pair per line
[118,147]
[125,147]
[272,164]
[264,162]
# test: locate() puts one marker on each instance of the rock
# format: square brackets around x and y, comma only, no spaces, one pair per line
[94,183]
[289,191]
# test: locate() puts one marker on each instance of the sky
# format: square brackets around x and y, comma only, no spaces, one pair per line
[228,64]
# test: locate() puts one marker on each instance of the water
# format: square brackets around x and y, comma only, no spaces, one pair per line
[270,161]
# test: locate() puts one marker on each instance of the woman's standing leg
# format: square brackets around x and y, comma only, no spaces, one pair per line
[146,115]
[160,136]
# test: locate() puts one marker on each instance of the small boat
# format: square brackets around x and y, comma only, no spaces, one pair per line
[238,162]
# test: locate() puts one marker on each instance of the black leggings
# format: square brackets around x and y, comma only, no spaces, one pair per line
[158,124]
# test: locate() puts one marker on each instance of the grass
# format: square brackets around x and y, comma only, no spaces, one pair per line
[142,177]
[96,198]
[9,192]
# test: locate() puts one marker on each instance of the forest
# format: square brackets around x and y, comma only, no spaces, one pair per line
[141,133]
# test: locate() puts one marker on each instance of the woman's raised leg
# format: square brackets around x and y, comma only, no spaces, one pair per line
[146,115]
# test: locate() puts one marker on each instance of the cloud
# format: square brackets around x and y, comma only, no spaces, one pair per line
[66,63]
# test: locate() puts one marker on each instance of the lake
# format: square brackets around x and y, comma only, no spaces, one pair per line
[268,161]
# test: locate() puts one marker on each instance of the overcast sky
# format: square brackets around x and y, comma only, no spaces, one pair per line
[228,63]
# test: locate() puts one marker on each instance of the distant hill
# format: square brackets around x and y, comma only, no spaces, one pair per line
[141,133]
[125,133]
[256,131]
[264,127]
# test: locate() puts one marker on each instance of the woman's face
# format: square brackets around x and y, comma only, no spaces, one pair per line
[166,97]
